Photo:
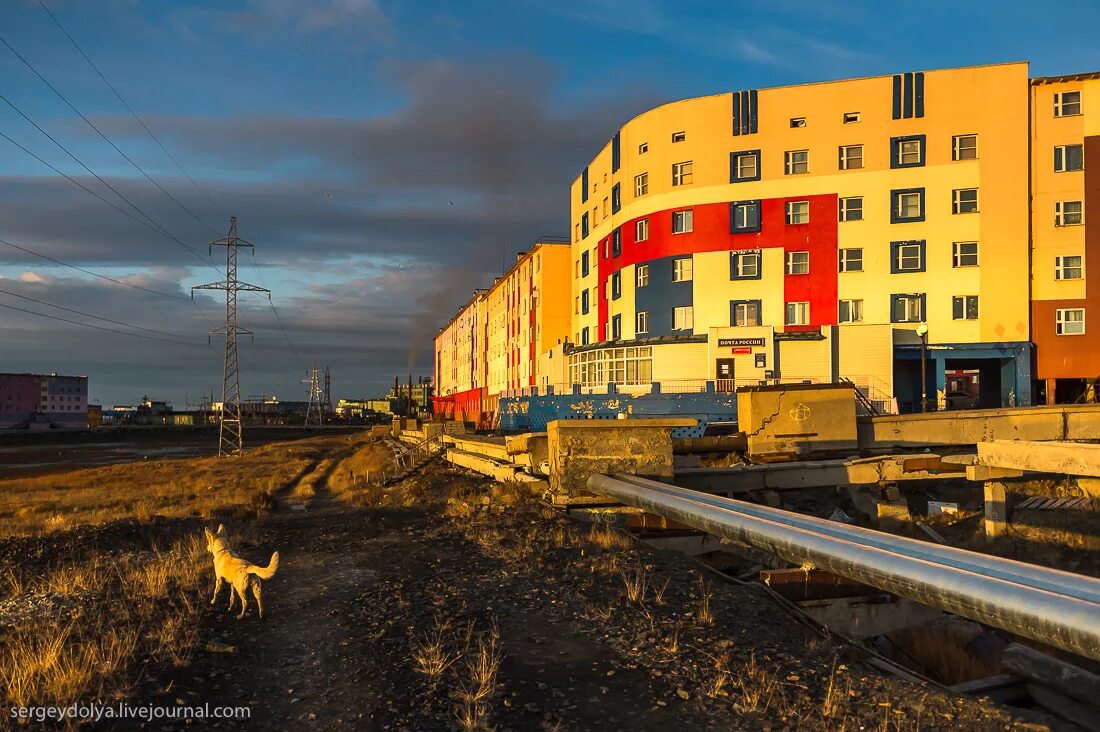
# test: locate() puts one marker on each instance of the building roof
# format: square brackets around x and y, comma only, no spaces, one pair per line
[1067,77]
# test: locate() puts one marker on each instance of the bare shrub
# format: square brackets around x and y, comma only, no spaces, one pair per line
[635,583]
[431,652]
[705,615]
[659,592]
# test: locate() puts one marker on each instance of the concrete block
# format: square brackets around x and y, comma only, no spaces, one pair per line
[996,509]
[533,446]
[1069,458]
[579,448]
[971,426]
[797,419]
[431,430]
[986,472]
[380,431]
[892,515]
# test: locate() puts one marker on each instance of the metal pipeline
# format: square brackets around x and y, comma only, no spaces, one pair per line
[1029,601]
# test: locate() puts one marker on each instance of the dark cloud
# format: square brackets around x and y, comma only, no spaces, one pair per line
[471,166]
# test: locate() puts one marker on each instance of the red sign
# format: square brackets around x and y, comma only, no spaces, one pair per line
[741,350]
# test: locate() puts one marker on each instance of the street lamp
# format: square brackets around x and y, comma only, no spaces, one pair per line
[922,331]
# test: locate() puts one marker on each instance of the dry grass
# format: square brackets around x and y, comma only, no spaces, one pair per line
[757,686]
[605,537]
[636,583]
[835,698]
[129,609]
[659,592]
[476,690]
[431,651]
[351,477]
[715,685]
[705,614]
[194,486]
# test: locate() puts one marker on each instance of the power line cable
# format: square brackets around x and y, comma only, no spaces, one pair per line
[140,121]
[91,325]
[106,139]
[95,317]
[156,226]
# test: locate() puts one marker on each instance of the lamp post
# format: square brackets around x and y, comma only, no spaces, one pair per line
[922,331]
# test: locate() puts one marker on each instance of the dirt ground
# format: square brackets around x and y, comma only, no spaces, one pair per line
[363,591]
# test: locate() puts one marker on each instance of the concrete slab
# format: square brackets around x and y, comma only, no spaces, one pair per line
[969,427]
[1068,458]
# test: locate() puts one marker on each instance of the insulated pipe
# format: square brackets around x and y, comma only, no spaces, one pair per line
[1044,578]
[1049,616]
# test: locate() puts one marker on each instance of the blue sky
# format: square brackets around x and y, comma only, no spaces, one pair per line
[384,156]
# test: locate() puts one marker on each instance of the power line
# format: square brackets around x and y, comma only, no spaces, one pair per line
[157,227]
[106,139]
[131,110]
[278,320]
[90,325]
[90,315]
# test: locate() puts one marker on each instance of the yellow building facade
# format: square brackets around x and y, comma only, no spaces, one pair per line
[813,232]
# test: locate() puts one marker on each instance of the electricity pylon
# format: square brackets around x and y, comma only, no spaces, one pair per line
[326,405]
[230,441]
[314,410]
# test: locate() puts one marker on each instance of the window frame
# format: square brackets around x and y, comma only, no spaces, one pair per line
[616,285]
[1060,104]
[895,200]
[843,212]
[586,302]
[585,264]
[957,201]
[844,161]
[849,118]
[736,266]
[843,260]
[1060,213]
[678,269]
[840,319]
[1060,157]
[896,248]
[895,151]
[800,306]
[641,230]
[1060,321]
[788,208]
[641,275]
[737,304]
[961,307]
[687,216]
[921,301]
[689,310]
[616,327]
[957,147]
[641,184]
[736,228]
[789,258]
[641,322]
[789,163]
[735,165]
[679,136]
[957,255]
[682,173]
[1061,267]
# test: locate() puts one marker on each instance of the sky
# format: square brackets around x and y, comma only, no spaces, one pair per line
[383,157]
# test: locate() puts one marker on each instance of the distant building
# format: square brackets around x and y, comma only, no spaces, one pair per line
[43,400]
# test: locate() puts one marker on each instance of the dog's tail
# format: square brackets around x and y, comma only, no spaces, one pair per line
[266,572]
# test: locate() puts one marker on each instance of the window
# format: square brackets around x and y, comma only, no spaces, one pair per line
[851,209]
[577,304]
[641,184]
[641,230]
[964,200]
[576,232]
[584,263]
[744,312]
[616,199]
[681,269]
[851,260]
[681,173]
[1068,213]
[964,254]
[798,263]
[584,225]
[906,308]
[851,311]
[744,265]
[797,162]
[798,313]
[907,152]
[744,165]
[643,275]
[616,327]
[964,307]
[744,216]
[1067,104]
[584,336]
[616,241]
[1068,157]
[679,136]
[907,205]
[643,148]
[851,157]
[682,221]
[850,117]
[1068,267]
[964,147]
[683,318]
[907,256]
[641,323]
[1069,321]
[798,212]
[616,285]
[798,122]
[605,207]
[584,301]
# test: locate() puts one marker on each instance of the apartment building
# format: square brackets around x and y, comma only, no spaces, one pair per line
[874,229]
[1065,259]
[43,400]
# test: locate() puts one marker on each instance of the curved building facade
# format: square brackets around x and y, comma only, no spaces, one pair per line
[806,232]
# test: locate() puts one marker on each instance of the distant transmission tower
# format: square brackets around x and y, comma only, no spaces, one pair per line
[326,405]
[315,409]
[229,423]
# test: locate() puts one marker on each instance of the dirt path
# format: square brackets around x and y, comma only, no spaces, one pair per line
[359,589]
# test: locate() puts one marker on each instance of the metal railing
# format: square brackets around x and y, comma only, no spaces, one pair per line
[405,460]
[1059,608]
